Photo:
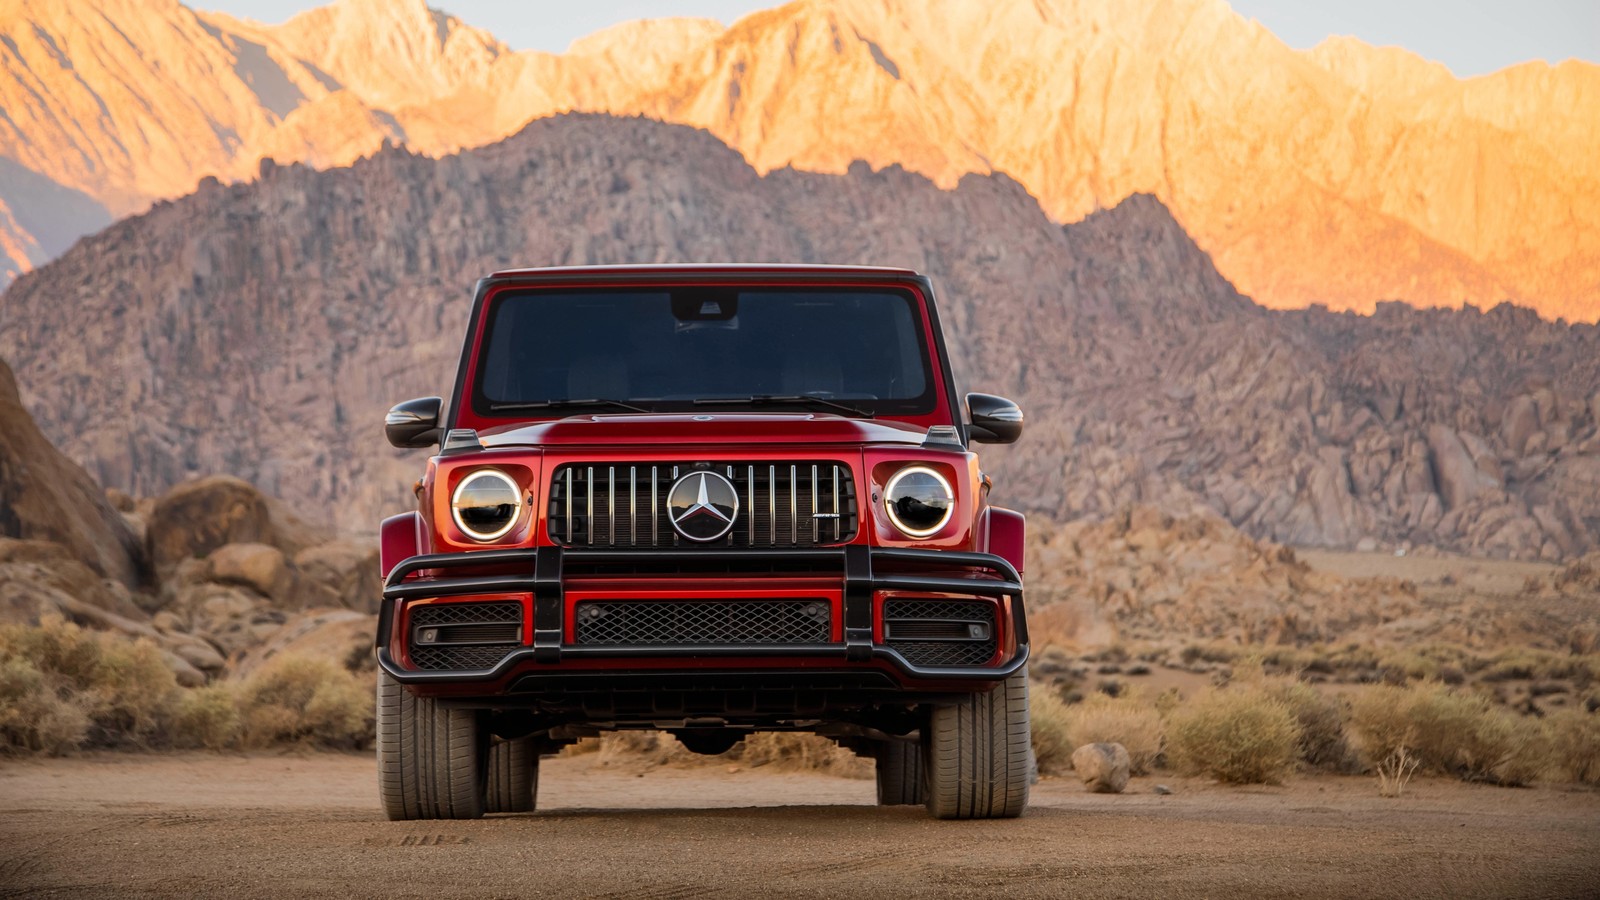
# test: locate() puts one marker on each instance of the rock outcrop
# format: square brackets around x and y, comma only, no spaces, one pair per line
[69,550]
[1145,575]
[262,330]
[44,496]
[1367,168]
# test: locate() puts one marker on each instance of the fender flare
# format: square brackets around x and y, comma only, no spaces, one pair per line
[399,539]
[1004,531]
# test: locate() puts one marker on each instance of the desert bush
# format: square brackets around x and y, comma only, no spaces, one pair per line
[1129,721]
[800,752]
[207,717]
[1052,745]
[298,699]
[33,717]
[1239,735]
[67,688]
[1575,744]
[1322,743]
[1450,731]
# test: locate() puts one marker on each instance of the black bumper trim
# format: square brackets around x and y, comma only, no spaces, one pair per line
[801,651]
[860,567]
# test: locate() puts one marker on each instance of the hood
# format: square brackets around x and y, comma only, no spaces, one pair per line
[704,428]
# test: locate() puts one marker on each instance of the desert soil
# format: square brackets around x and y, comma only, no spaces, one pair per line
[308,826]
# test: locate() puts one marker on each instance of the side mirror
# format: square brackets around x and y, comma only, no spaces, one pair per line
[414,423]
[995,420]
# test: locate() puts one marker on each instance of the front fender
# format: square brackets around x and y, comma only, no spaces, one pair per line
[400,538]
[1003,532]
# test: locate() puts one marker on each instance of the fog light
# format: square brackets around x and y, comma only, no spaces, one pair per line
[977,631]
[428,636]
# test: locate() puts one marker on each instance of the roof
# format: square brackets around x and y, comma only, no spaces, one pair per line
[677,270]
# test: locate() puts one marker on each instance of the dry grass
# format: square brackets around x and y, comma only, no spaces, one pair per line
[1239,735]
[1319,718]
[1450,731]
[779,751]
[1395,772]
[1051,719]
[62,687]
[1129,720]
[300,700]
[1574,736]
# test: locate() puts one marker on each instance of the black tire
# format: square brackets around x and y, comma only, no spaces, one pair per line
[899,773]
[976,754]
[430,757]
[513,777]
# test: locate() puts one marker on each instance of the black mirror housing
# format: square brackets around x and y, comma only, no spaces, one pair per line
[995,420]
[414,423]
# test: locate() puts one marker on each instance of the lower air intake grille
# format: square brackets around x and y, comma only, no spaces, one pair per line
[703,622]
[459,632]
[906,620]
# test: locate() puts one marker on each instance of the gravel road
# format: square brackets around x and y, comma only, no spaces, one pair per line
[308,826]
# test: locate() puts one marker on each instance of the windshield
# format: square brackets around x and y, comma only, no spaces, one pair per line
[674,350]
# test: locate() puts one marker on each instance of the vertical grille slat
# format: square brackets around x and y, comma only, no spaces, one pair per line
[589,503]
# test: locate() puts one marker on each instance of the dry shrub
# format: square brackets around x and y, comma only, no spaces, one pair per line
[33,718]
[1051,719]
[1236,735]
[1450,731]
[786,751]
[64,688]
[299,699]
[207,717]
[799,752]
[1129,721]
[1575,744]
[1322,743]
[653,747]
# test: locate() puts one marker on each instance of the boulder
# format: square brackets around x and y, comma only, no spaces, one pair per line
[197,517]
[340,635]
[260,567]
[46,497]
[1460,479]
[50,564]
[1102,766]
[340,573]
[232,618]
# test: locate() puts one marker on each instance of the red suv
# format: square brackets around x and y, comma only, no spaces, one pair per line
[709,500]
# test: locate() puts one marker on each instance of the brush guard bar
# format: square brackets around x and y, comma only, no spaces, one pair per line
[864,570]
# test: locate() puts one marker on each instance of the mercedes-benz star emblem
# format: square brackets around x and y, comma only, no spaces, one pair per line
[702,506]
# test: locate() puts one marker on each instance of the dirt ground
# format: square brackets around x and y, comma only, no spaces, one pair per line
[308,826]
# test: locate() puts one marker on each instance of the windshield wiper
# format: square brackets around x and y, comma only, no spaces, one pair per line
[564,404]
[780,399]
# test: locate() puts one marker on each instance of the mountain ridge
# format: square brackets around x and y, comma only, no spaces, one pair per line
[1366,168]
[261,330]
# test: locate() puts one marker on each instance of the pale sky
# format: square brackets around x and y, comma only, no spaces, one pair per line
[1472,37]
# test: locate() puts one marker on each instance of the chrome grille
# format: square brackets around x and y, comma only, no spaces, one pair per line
[625,506]
[908,623]
[703,622]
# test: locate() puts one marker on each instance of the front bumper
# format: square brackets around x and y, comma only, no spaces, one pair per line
[863,572]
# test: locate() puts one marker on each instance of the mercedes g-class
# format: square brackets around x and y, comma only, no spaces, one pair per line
[708,500]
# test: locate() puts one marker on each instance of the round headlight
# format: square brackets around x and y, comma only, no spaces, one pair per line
[919,501]
[486,504]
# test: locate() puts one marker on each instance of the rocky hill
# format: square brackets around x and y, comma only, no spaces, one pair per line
[1377,174]
[215,574]
[261,330]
